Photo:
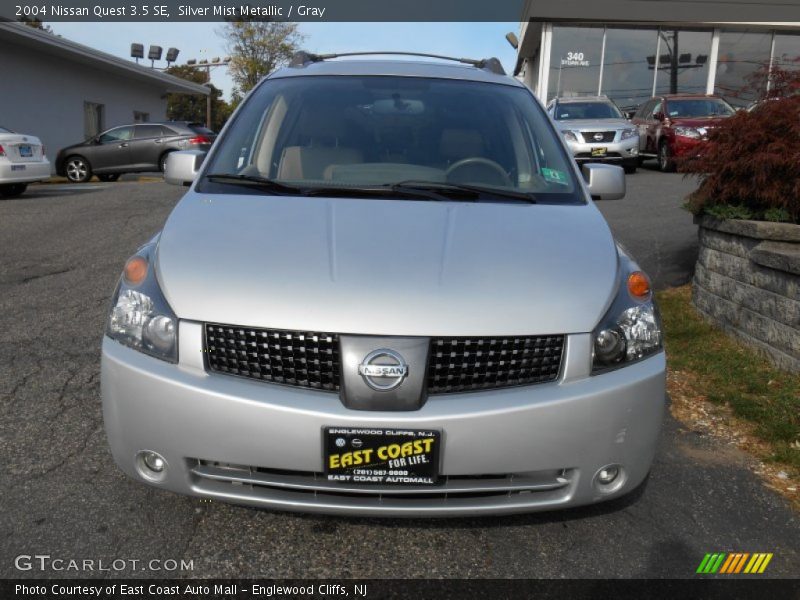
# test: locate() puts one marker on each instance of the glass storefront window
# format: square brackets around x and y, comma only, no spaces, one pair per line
[787,51]
[627,75]
[575,61]
[740,68]
[683,61]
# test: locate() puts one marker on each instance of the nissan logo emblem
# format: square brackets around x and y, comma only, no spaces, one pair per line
[383,370]
[598,137]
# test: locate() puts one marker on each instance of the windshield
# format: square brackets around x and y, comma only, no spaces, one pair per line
[700,107]
[371,131]
[586,110]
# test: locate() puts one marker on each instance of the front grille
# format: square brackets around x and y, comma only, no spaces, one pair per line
[299,358]
[466,364]
[311,359]
[589,136]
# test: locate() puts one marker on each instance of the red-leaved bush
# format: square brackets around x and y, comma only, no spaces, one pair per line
[752,160]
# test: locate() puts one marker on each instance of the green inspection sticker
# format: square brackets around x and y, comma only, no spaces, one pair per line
[555,176]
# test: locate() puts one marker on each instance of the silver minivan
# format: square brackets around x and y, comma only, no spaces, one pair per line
[388,292]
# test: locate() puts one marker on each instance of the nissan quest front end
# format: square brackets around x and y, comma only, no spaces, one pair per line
[387,292]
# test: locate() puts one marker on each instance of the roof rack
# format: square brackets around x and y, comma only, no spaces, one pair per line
[303,58]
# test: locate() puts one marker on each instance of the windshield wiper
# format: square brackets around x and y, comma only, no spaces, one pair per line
[426,190]
[379,190]
[274,186]
[463,190]
[264,183]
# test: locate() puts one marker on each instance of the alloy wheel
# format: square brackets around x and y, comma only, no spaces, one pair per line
[664,161]
[77,170]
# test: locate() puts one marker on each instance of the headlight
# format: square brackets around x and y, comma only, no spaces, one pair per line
[140,316]
[689,132]
[628,134]
[570,136]
[631,329]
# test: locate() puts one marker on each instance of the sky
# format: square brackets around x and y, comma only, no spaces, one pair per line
[202,40]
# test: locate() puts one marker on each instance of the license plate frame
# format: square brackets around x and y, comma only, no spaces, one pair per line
[17,167]
[25,151]
[369,465]
[599,152]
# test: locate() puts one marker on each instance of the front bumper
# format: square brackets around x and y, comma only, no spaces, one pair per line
[24,172]
[682,146]
[626,151]
[534,447]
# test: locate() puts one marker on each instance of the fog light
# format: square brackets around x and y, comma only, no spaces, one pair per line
[609,479]
[154,462]
[607,474]
[151,465]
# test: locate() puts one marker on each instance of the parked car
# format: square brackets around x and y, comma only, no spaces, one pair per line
[596,131]
[22,161]
[387,292]
[672,126]
[130,149]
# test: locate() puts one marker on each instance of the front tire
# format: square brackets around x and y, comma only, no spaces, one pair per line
[12,190]
[78,169]
[162,162]
[665,161]
[630,168]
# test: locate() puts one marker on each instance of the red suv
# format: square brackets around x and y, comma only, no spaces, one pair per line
[675,125]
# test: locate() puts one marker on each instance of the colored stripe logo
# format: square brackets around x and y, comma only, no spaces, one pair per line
[734,562]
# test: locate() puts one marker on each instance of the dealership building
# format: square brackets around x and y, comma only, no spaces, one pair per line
[618,49]
[64,92]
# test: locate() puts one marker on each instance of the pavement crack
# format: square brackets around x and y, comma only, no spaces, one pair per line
[66,457]
[42,275]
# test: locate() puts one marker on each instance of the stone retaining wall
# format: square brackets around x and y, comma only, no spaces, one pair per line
[747,281]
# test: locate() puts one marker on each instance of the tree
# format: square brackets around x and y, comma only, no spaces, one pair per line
[750,166]
[190,107]
[257,48]
[36,24]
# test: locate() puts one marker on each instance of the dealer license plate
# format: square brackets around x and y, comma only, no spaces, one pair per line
[599,152]
[379,456]
[25,151]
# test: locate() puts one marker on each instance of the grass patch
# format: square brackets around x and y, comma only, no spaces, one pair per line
[728,373]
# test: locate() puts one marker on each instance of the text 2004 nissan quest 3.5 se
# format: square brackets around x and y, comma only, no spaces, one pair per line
[387,292]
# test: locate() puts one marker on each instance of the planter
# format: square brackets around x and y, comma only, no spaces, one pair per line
[747,282]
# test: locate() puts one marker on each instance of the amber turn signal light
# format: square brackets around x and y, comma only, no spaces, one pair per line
[638,285]
[135,270]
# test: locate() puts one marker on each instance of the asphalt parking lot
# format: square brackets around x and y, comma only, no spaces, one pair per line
[62,248]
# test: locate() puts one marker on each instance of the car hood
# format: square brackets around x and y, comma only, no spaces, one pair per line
[387,267]
[696,121]
[76,146]
[592,123]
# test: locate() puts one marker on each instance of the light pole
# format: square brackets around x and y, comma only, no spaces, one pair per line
[153,54]
[677,62]
[208,65]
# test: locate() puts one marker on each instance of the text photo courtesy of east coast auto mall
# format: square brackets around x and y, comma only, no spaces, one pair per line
[370,299]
